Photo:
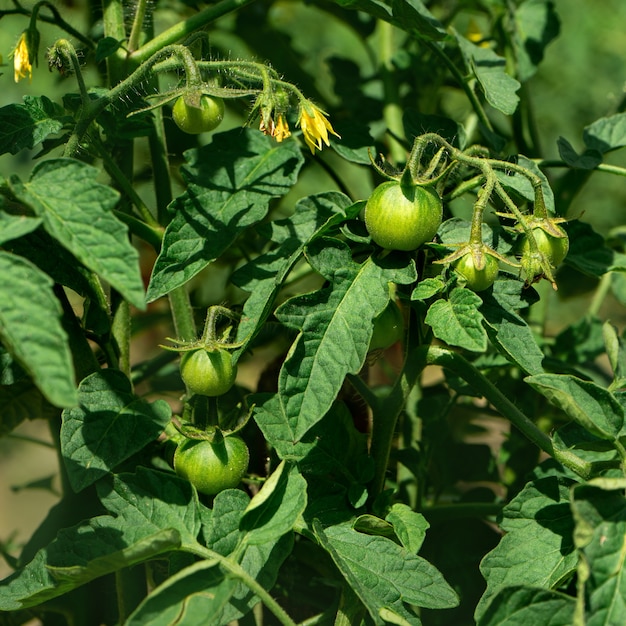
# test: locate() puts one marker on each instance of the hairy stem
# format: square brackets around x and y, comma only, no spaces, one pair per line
[188,26]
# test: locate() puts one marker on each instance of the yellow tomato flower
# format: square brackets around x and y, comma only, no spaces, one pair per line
[281,130]
[315,127]
[21,59]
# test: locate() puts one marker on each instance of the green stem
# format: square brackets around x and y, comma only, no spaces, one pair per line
[182,314]
[601,167]
[160,168]
[476,232]
[120,329]
[385,414]
[152,236]
[436,355]
[601,293]
[137,27]
[64,47]
[188,26]
[56,19]
[246,579]
[124,184]
[469,92]
[392,112]
[117,92]
[113,20]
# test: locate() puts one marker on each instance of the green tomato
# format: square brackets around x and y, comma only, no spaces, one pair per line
[477,279]
[208,372]
[210,466]
[388,328]
[198,119]
[403,218]
[553,248]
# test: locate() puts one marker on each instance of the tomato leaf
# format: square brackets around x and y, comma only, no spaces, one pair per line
[201,589]
[409,526]
[77,211]
[490,71]
[535,25]
[458,321]
[587,252]
[335,327]
[599,509]
[230,183]
[606,133]
[383,574]
[413,15]
[519,606]
[15,226]
[26,125]
[30,327]
[537,548]
[590,405]
[109,425]
[154,513]
[508,331]
[277,506]
[263,277]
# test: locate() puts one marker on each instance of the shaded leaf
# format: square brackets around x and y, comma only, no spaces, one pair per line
[588,160]
[600,512]
[109,425]
[230,183]
[30,328]
[590,405]
[606,133]
[26,125]
[413,14]
[536,24]
[520,606]
[587,251]
[538,547]
[21,401]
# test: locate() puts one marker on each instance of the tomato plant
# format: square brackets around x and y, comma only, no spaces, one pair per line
[212,466]
[198,117]
[401,217]
[376,174]
[208,372]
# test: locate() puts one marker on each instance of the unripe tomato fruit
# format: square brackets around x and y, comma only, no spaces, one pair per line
[553,248]
[398,217]
[388,328]
[208,372]
[198,119]
[210,466]
[477,279]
